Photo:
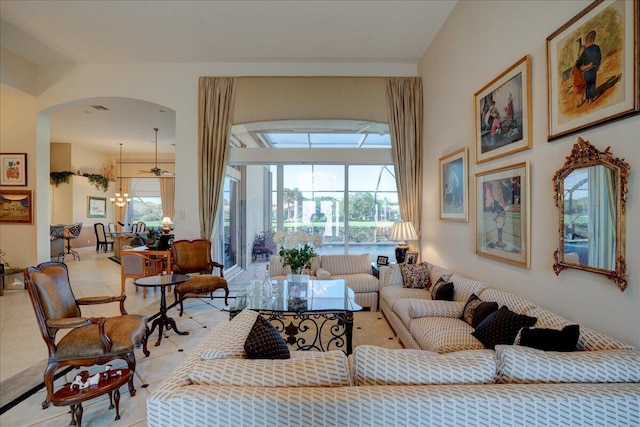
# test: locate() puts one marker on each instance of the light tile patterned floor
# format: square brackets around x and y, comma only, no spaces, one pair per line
[21,345]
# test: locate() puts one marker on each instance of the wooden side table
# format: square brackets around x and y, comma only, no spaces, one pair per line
[74,398]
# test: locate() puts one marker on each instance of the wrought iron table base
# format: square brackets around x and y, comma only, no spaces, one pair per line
[321,331]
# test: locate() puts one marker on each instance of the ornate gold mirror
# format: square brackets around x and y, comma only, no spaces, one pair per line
[591,191]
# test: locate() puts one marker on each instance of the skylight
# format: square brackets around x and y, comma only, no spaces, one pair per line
[337,134]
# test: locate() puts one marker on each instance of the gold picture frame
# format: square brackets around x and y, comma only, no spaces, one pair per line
[502,214]
[592,66]
[454,186]
[503,113]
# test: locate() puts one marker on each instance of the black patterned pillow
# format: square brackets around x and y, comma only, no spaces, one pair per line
[442,290]
[476,310]
[551,339]
[265,342]
[415,275]
[501,327]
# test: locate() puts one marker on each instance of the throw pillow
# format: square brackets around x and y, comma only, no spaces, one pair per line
[476,310]
[501,327]
[442,290]
[265,342]
[551,339]
[415,275]
[323,274]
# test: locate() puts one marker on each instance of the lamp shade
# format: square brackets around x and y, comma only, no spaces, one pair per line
[404,230]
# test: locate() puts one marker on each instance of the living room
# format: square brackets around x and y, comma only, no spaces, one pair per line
[478,41]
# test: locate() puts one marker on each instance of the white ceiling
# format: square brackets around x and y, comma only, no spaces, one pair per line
[65,32]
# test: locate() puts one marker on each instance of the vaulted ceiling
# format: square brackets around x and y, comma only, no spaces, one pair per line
[125,31]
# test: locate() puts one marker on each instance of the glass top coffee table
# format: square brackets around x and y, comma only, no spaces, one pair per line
[319,316]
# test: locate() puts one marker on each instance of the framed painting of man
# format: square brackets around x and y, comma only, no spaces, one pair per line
[592,65]
[503,113]
[502,214]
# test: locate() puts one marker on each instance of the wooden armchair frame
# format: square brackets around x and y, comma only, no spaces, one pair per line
[57,308]
[194,256]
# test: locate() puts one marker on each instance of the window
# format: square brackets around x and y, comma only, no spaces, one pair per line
[146,204]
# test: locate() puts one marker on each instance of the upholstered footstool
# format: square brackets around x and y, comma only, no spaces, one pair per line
[200,284]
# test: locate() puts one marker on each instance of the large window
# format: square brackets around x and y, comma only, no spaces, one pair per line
[352,206]
[333,177]
[146,204]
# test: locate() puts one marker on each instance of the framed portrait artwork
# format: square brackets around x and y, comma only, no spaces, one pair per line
[96,207]
[382,260]
[14,169]
[454,187]
[412,257]
[503,113]
[502,214]
[17,206]
[592,66]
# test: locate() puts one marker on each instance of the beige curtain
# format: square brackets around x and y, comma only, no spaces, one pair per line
[168,197]
[405,126]
[216,96]
[121,212]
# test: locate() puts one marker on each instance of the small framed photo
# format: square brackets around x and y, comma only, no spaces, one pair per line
[454,187]
[592,67]
[503,113]
[412,257]
[96,207]
[17,206]
[14,169]
[382,260]
[502,214]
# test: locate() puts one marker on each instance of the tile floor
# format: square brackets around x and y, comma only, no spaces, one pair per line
[21,345]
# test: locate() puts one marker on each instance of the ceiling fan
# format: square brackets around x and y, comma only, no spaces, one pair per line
[156,170]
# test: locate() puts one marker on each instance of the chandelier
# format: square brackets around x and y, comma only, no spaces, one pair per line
[121,199]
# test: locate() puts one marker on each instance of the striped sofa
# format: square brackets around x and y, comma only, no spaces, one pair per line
[355,269]
[423,323]
[375,386]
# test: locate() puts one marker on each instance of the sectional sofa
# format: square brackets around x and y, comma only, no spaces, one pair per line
[437,325]
[513,385]
[355,269]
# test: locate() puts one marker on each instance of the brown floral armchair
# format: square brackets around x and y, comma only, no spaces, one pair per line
[91,340]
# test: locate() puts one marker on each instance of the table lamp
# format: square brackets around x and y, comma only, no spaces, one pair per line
[167,225]
[403,231]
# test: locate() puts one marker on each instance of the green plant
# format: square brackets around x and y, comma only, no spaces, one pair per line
[98,181]
[57,178]
[297,249]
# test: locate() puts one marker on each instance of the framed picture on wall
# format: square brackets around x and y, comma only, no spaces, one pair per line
[592,66]
[502,214]
[14,169]
[454,186]
[503,113]
[17,206]
[96,207]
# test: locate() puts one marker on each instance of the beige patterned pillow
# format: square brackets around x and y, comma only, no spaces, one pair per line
[517,364]
[375,365]
[231,337]
[328,369]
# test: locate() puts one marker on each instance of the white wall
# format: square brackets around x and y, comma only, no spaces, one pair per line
[478,42]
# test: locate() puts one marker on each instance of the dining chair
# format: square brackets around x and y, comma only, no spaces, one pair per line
[102,240]
[89,340]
